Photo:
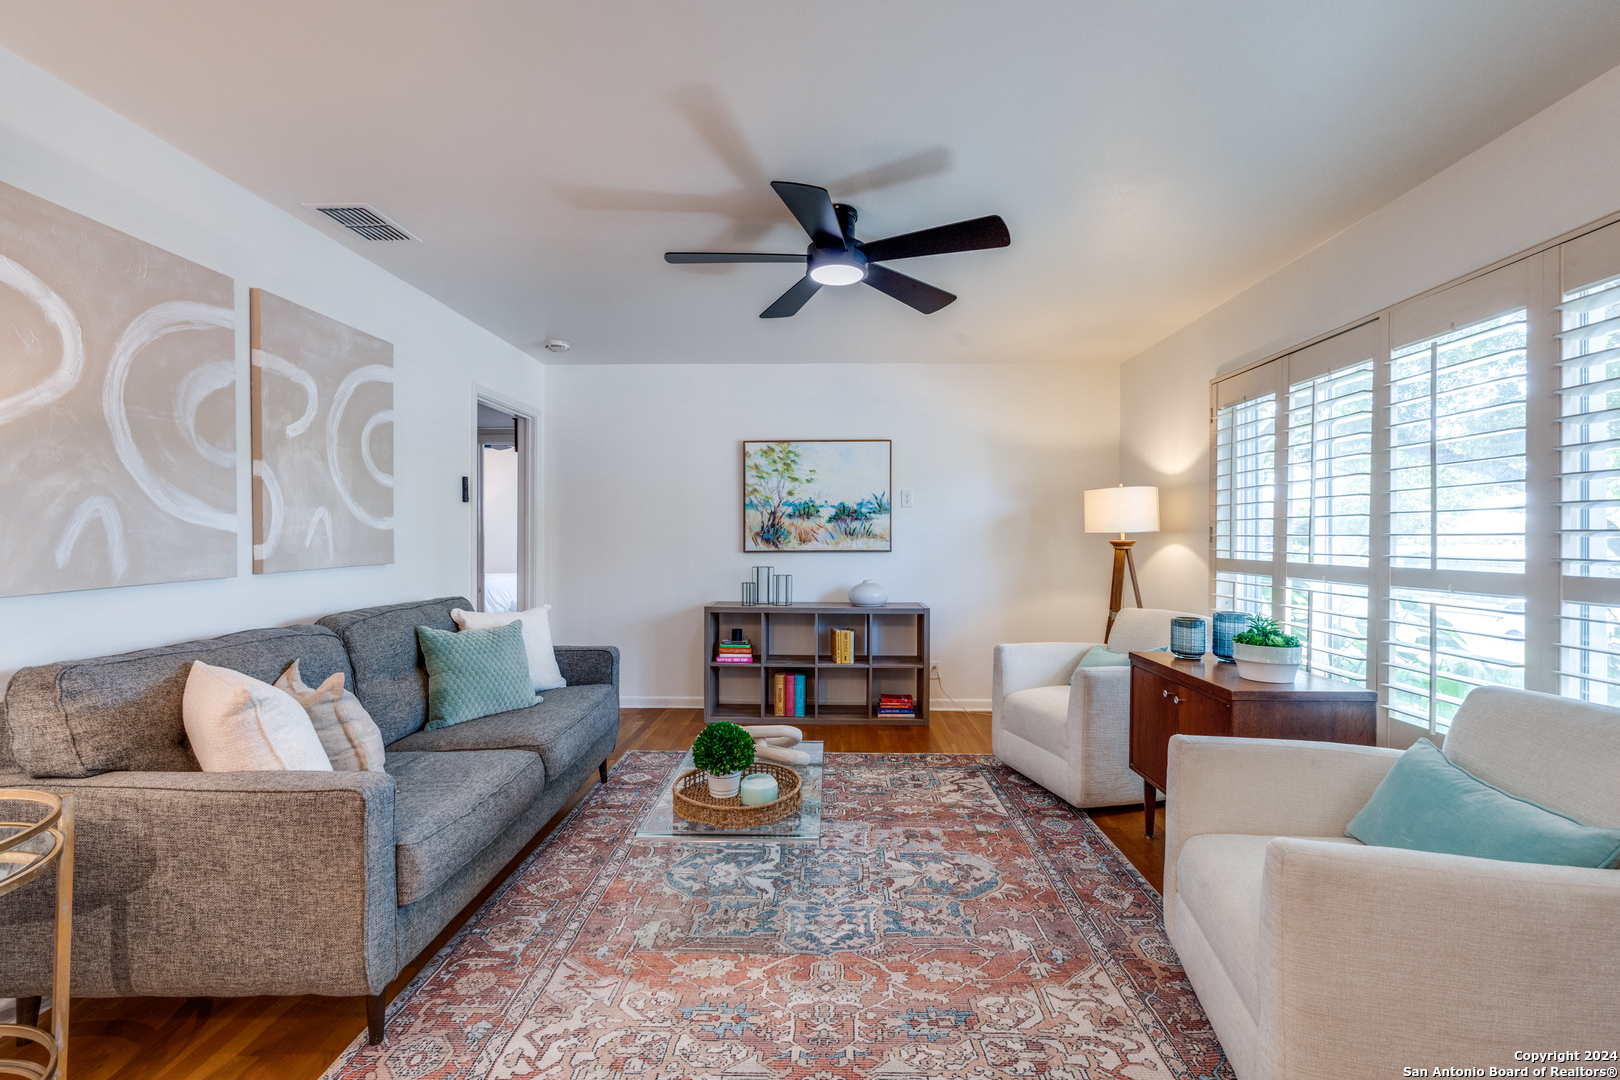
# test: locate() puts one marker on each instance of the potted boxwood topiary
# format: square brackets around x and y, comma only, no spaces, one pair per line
[723,750]
[1264,653]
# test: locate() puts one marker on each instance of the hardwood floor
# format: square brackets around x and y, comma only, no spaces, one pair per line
[274,1038]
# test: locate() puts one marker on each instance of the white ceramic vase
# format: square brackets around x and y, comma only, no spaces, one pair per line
[1266,663]
[868,594]
[726,785]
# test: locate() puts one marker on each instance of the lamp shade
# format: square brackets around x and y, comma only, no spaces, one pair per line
[1122,510]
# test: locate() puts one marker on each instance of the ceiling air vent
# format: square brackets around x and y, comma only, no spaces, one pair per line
[362,220]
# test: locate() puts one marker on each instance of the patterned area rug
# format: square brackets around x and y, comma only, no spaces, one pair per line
[955,918]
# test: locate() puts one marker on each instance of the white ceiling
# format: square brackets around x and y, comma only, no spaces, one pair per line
[1151,159]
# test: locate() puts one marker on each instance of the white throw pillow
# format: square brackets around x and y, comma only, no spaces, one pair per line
[238,724]
[536,640]
[346,730]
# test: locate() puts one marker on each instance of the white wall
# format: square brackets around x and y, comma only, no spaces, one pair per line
[60,145]
[1553,173]
[500,511]
[643,504]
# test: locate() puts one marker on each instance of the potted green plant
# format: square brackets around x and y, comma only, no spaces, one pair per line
[723,750]
[1265,654]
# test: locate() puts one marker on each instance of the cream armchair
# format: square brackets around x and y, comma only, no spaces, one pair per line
[1073,740]
[1314,955]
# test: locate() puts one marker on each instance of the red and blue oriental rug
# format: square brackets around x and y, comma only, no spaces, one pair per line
[955,919]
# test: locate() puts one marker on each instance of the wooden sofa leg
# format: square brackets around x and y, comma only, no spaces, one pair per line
[602,770]
[28,1011]
[376,1008]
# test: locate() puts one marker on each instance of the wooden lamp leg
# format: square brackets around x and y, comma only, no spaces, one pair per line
[1116,595]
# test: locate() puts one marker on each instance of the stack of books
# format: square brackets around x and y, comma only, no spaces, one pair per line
[843,646]
[735,652]
[788,698]
[896,705]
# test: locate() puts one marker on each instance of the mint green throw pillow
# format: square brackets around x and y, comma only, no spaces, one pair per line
[1103,656]
[475,673]
[1426,803]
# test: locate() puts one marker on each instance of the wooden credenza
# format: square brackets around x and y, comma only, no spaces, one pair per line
[1206,697]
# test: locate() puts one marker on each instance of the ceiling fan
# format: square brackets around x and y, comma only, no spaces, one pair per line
[835,257]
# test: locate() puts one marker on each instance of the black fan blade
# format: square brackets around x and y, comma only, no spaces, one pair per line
[908,290]
[984,232]
[814,209]
[729,257]
[791,301]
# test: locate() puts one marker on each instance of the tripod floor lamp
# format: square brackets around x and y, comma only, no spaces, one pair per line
[1122,510]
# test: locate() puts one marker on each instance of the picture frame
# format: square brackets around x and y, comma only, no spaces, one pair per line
[831,495]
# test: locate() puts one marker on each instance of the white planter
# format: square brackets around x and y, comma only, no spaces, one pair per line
[1266,663]
[726,785]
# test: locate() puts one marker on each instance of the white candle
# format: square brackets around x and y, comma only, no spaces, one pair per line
[758,788]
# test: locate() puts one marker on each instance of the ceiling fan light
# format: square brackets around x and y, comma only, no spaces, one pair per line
[837,273]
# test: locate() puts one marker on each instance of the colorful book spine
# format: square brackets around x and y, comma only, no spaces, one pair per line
[798,695]
[780,685]
[843,646]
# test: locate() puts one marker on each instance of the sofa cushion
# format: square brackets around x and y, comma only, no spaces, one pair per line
[1039,714]
[1218,877]
[448,807]
[560,728]
[124,712]
[236,723]
[389,678]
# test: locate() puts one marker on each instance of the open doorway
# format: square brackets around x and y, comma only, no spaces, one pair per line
[504,519]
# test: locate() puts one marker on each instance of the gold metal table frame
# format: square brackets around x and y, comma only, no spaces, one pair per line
[19,865]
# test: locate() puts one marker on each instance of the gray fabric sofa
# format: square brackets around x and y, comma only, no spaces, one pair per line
[231,884]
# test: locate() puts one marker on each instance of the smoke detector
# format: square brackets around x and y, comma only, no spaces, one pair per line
[362,220]
[557,345]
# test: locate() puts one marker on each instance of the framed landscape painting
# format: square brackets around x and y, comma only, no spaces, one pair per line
[817,495]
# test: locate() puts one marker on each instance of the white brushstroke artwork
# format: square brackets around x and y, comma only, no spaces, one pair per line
[117,407]
[323,440]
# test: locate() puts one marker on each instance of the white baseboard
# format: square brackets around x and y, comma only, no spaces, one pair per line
[656,702]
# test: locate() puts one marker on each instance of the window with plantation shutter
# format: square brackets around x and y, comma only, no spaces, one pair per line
[1445,490]
[1246,478]
[1589,471]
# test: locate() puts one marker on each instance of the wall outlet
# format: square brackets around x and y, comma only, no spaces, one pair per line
[933,671]
[904,502]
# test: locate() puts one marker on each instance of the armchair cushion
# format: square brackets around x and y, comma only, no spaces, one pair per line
[1040,715]
[1222,878]
[1426,803]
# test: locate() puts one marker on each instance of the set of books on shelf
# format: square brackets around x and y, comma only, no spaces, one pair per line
[735,651]
[896,705]
[843,646]
[788,693]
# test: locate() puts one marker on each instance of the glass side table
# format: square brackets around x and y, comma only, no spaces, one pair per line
[27,850]
[662,823]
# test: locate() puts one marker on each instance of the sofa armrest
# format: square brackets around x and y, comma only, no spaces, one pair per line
[220,885]
[1372,959]
[1029,664]
[1263,787]
[588,665]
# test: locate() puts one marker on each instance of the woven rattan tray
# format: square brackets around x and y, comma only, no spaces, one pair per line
[694,803]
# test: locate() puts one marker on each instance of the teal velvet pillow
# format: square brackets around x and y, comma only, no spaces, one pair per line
[475,673]
[1426,803]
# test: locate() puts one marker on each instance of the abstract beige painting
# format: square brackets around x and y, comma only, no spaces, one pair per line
[323,440]
[117,407]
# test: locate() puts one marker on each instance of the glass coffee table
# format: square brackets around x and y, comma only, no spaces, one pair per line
[662,823]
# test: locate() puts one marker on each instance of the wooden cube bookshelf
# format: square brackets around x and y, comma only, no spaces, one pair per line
[891,657]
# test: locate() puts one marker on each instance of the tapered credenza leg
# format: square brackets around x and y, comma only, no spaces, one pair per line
[1150,799]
